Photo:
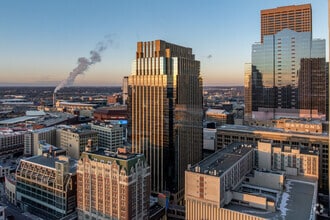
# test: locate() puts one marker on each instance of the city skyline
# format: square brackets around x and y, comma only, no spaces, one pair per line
[44,40]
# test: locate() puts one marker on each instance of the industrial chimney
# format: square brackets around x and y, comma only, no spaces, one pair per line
[54,99]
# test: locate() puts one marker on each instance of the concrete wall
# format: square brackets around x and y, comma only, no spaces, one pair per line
[253,200]
[264,155]
[267,180]
[197,210]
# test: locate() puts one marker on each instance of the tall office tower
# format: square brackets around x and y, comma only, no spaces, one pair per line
[165,104]
[279,70]
[113,185]
[296,17]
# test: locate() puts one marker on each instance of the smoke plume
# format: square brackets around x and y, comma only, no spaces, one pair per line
[84,63]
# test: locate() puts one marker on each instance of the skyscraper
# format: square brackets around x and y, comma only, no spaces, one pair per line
[165,104]
[283,65]
[296,17]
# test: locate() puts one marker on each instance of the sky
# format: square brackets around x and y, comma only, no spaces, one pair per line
[41,41]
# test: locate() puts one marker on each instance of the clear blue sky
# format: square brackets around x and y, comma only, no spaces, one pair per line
[40,41]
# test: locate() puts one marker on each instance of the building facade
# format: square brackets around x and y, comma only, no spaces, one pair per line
[235,133]
[111,113]
[46,186]
[11,142]
[113,185]
[165,104]
[110,135]
[10,188]
[209,183]
[219,116]
[293,160]
[32,138]
[286,65]
[296,17]
[75,139]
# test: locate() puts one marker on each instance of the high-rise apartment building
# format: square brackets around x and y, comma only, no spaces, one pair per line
[286,66]
[113,185]
[165,104]
[296,17]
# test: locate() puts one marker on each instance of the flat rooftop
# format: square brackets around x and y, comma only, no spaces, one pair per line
[220,161]
[296,202]
[50,161]
[77,104]
[253,129]
[17,120]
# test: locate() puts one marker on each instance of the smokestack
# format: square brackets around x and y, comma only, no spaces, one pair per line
[54,99]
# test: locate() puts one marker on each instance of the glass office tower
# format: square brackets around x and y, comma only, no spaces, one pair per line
[287,76]
[166,112]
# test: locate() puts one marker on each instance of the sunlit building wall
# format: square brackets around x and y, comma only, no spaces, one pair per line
[284,64]
[165,104]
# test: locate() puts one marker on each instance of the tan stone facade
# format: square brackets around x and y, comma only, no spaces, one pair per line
[208,185]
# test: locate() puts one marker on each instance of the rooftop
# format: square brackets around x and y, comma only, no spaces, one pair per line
[217,111]
[77,104]
[296,202]
[217,163]
[17,120]
[122,157]
[35,113]
[253,129]
[49,161]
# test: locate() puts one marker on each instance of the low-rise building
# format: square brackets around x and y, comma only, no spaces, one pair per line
[10,188]
[219,116]
[228,134]
[11,142]
[46,186]
[224,186]
[32,138]
[75,139]
[71,107]
[293,160]
[117,112]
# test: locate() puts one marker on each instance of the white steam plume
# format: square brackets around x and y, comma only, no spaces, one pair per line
[84,63]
